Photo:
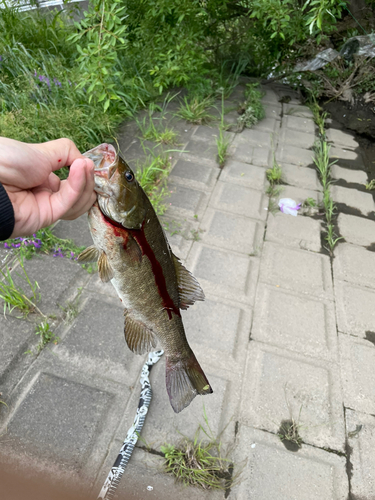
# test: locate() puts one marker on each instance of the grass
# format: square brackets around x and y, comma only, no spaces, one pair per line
[194,110]
[14,297]
[198,462]
[71,310]
[252,109]
[46,336]
[370,186]
[274,177]
[152,176]
[151,132]
[223,140]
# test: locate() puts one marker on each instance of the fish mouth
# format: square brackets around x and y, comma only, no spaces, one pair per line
[104,158]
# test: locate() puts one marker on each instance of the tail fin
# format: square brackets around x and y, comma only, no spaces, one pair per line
[185,379]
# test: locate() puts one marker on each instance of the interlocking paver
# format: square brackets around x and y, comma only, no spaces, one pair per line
[297,110]
[243,174]
[307,273]
[280,385]
[299,195]
[352,198]
[76,230]
[201,149]
[299,124]
[341,138]
[257,138]
[311,332]
[224,273]
[354,264]
[186,202]
[355,308]
[302,140]
[271,471]
[348,174]
[247,153]
[239,200]
[302,177]
[345,154]
[357,358]
[219,328]
[232,232]
[357,230]
[294,155]
[361,442]
[194,175]
[301,232]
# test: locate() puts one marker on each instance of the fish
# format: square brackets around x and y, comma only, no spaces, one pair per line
[132,252]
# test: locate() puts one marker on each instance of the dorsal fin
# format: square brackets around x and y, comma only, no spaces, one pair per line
[188,287]
[139,338]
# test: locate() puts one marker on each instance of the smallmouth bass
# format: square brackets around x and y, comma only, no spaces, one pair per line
[133,253]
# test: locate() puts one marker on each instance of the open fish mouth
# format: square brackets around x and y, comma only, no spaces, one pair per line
[105,160]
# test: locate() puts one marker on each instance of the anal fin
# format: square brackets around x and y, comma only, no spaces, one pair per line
[188,287]
[139,338]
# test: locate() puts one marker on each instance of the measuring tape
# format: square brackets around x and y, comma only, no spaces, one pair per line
[115,474]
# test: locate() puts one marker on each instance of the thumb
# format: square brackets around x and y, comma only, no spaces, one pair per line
[70,190]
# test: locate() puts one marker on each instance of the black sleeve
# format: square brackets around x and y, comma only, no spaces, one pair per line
[6,215]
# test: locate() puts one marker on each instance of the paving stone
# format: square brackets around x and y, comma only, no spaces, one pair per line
[219,330]
[361,440]
[354,264]
[243,174]
[270,97]
[302,140]
[206,134]
[232,232]
[247,153]
[267,124]
[300,323]
[356,230]
[145,478]
[257,138]
[348,175]
[341,138]
[58,280]
[345,154]
[14,341]
[297,110]
[301,232]
[58,414]
[273,472]
[223,273]
[301,271]
[301,177]
[284,386]
[185,201]
[299,195]
[357,358]
[95,341]
[194,174]
[239,200]
[352,198]
[294,155]
[273,111]
[164,426]
[201,149]
[96,285]
[355,309]
[76,230]
[300,124]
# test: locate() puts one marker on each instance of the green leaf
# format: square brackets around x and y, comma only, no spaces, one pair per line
[106,105]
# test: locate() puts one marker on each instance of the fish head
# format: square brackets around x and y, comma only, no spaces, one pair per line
[120,196]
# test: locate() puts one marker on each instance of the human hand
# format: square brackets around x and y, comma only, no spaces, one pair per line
[38,196]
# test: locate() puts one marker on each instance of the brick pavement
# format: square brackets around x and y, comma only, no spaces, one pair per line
[286,334]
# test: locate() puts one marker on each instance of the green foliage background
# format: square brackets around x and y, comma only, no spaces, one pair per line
[60,77]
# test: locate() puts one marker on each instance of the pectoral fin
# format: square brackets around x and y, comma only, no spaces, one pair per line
[104,267]
[90,254]
[188,287]
[138,337]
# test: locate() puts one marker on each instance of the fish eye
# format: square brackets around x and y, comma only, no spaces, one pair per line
[129,176]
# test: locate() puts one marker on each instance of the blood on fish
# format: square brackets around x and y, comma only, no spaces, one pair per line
[59,160]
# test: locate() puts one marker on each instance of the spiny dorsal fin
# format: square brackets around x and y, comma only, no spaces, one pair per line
[90,254]
[104,267]
[188,287]
[138,337]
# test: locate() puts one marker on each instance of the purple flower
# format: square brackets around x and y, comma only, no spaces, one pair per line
[6,245]
[56,82]
[16,245]
[58,253]
[72,256]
